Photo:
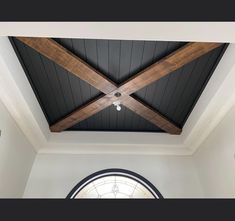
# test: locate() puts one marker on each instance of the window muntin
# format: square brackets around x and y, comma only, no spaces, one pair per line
[115,184]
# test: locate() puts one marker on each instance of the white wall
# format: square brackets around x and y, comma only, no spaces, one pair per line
[210,172]
[215,159]
[54,175]
[16,157]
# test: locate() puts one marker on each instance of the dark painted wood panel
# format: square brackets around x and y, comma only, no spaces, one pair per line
[174,96]
[127,125]
[125,60]
[183,78]
[34,82]
[200,64]
[87,50]
[60,92]
[147,59]
[103,57]
[161,49]
[78,48]
[36,68]
[53,77]
[198,87]
[154,93]
[136,63]
[74,82]
[114,48]
[172,46]
[136,57]
[65,86]
[91,53]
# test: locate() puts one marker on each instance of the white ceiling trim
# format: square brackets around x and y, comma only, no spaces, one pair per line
[220,95]
[18,97]
[167,31]
[16,94]
[127,149]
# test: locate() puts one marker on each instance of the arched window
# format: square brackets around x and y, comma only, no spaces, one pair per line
[114,183]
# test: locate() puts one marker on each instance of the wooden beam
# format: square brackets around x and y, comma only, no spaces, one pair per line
[104,101]
[78,67]
[83,113]
[167,65]
[151,115]
[61,56]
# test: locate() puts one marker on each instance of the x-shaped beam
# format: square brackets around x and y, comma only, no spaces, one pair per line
[113,92]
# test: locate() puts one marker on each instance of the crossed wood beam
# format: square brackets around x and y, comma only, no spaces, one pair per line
[113,92]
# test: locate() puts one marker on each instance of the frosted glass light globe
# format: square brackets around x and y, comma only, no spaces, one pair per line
[118,108]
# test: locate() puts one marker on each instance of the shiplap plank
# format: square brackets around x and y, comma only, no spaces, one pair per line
[173,96]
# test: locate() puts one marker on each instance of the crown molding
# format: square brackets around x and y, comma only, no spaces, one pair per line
[17,95]
[166,31]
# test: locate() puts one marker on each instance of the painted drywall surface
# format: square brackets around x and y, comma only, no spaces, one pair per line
[162,31]
[16,157]
[54,175]
[215,159]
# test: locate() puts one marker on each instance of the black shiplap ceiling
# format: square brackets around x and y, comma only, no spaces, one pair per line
[60,92]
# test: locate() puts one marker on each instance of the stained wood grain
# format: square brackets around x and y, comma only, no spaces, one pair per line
[83,113]
[60,55]
[81,69]
[151,115]
[167,65]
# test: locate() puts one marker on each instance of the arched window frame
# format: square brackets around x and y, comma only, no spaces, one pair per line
[115,172]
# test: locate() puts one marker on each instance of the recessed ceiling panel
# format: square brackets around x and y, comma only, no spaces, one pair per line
[60,92]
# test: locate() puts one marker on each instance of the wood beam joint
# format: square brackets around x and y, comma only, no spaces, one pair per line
[61,56]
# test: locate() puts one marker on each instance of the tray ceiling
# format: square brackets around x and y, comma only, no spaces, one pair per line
[60,92]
